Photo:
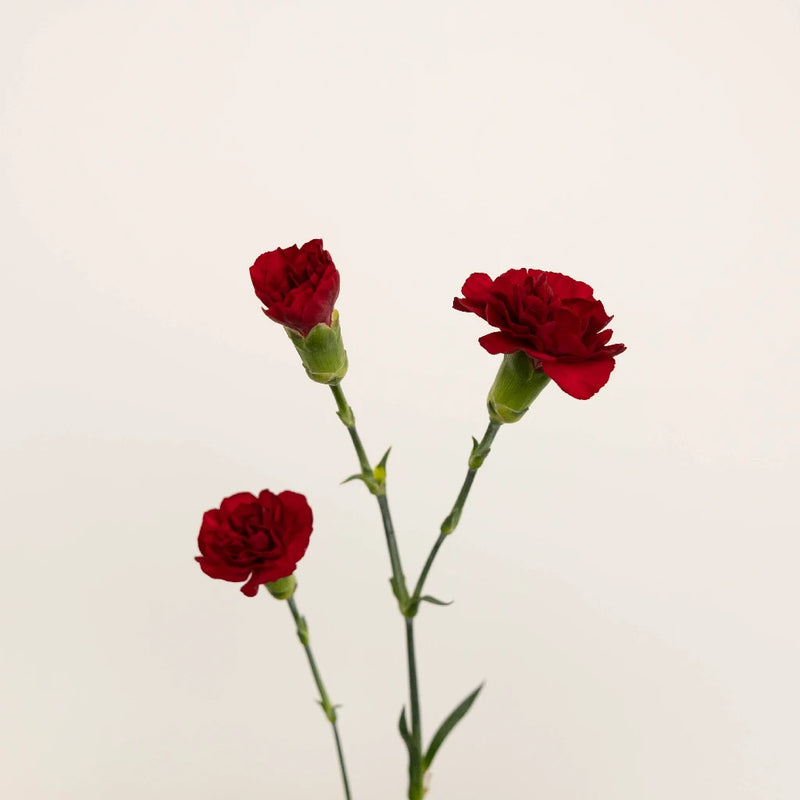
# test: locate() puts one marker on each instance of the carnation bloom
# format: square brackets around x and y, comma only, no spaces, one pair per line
[297,285]
[257,539]
[553,318]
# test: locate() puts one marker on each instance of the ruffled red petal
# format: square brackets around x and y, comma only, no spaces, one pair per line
[580,379]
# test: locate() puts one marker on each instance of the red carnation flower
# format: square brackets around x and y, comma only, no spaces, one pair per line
[551,317]
[297,285]
[257,539]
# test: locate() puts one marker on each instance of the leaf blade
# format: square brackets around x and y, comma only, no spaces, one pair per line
[435,600]
[447,726]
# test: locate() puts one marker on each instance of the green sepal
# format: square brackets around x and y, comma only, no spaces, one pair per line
[447,726]
[322,352]
[517,384]
[283,588]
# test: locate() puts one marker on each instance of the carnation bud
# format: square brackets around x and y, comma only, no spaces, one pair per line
[322,351]
[283,588]
[516,386]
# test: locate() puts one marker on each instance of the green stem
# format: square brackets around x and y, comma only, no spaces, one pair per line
[327,706]
[345,414]
[416,773]
[376,487]
[428,564]
[398,578]
[477,457]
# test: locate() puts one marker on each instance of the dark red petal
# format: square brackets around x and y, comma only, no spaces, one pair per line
[501,342]
[250,589]
[296,505]
[318,307]
[580,379]
[506,281]
[298,523]
[314,246]
[225,572]
[614,349]
[499,315]
[211,520]
[268,273]
[477,286]
[230,504]
[476,293]
[565,287]
[267,498]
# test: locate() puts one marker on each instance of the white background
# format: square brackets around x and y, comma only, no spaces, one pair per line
[625,574]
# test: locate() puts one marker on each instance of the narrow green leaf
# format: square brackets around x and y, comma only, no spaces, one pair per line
[404,732]
[435,600]
[382,462]
[415,768]
[357,477]
[448,726]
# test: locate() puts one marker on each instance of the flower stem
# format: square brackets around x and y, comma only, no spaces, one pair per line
[324,701]
[345,414]
[378,488]
[376,485]
[478,455]
[428,564]
[416,771]
[398,578]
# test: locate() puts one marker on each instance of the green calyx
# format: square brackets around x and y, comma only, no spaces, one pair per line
[283,588]
[322,351]
[516,386]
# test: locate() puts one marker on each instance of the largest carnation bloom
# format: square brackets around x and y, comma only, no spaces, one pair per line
[553,318]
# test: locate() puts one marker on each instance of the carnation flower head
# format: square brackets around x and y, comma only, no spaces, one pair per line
[297,285]
[553,318]
[255,539]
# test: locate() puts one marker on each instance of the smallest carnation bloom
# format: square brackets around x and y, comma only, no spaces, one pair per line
[256,539]
[299,287]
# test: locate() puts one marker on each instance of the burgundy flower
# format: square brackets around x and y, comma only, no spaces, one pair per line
[297,285]
[257,539]
[551,317]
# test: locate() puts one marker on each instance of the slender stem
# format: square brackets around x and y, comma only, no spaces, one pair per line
[376,484]
[394,552]
[341,761]
[458,506]
[327,706]
[378,488]
[415,789]
[360,452]
[428,564]
[345,413]
[476,459]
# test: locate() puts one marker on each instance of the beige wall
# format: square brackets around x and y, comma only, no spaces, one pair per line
[625,574]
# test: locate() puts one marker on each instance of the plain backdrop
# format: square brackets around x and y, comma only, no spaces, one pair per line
[625,575]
